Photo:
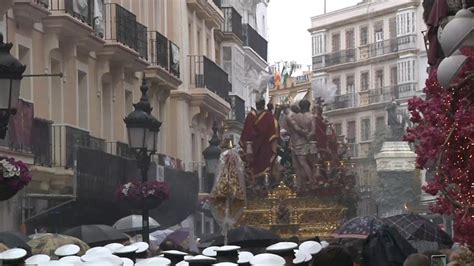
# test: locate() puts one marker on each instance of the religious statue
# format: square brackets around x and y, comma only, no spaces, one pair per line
[392,113]
[301,127]
[259,142]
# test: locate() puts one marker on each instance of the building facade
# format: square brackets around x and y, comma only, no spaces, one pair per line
[373,53]
[103,48]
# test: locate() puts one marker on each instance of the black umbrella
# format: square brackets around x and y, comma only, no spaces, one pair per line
[415,227]
[96,234]
[14,240]
[247,237]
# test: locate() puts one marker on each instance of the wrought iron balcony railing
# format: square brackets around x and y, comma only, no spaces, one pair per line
[174,56]
[159,46]
[41,143]
[238,109]
[344,101]
[407,90]
[334,58]
[232,22]
[121,26]
[65,141]
[255,41]
[81,10]
[207,74]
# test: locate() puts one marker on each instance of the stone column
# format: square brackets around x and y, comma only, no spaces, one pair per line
[397,180]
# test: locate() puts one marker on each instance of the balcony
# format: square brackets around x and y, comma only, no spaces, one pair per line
[78,21]
[41,143]
[407,42]
[164,59]
[377,49]
[126,39]
[335,58]
[210,86]
[30,11]
[344,101]
[208,10]
[253,40]
[407,90]
[237,112]
[65,142]
[208,75]
[232,23]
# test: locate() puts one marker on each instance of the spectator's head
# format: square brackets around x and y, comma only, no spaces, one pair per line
[333,255]
[417,259]
[304,105]
[260,104]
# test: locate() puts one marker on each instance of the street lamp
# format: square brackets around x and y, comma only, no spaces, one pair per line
[211,154]
[143,129]
[11,73]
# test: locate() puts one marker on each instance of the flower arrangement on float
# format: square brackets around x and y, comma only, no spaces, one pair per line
[139,194]
[14,175]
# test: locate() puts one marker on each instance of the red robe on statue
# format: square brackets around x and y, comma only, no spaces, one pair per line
[262,130]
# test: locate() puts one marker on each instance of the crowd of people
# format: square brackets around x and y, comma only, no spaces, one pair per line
[312,252]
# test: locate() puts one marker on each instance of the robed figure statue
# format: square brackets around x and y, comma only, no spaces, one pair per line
[259,142]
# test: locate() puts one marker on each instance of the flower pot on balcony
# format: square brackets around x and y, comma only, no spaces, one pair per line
[150,203]
[6,192]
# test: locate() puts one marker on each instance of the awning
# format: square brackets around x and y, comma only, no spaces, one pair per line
[300,96]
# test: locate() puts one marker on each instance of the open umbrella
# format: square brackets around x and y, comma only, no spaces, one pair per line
[415,227]
[133,224]
[358,227]
[96,234]
[14,240]
[48,243]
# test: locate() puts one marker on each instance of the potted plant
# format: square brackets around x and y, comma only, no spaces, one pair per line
[139,194]
[14,175]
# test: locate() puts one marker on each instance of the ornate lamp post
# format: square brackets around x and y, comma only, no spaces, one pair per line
[11,73]
[143,129]
[211,154]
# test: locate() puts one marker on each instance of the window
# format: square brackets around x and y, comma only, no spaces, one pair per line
[378,31]
[350,84]
[56,104]
[406,23]
[338,129]
[392,27]
[406,70]
[336,42]
[319,44]
[350,41]
[393,75]
[380,123]
[24,56]
[337,83]
[107,120]
[351,131]
[364,81]
[364,35]
[365,129]
[379,79]
[83,105]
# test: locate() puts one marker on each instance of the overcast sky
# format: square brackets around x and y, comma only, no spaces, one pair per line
[289,21]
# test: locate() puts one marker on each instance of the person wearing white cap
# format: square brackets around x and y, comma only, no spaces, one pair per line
[301,258]
[174,255]
[13,256]
[267,259]
[36,260]
[76,260]
[127,252]
[244,258]
[67,250]
[142,248]
[227,254]
[155,261]
[200,260]
[113,246]
[284,249]
[210,251]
